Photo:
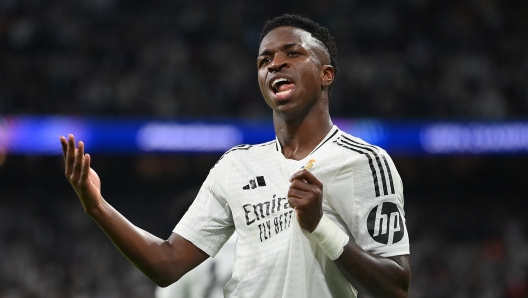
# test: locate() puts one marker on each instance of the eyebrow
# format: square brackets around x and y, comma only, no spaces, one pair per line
[283,47]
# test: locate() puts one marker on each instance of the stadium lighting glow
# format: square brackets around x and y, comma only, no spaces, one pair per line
[191,137]
[448,138]
[39,135]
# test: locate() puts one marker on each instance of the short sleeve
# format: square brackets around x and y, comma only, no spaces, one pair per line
[208,223]
[368,195]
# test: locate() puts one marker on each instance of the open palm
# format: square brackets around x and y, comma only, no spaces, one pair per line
[83,179]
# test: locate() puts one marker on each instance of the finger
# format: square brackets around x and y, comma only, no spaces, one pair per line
[64,146]
[297,194]
[294,202]
[70,156]
[85,169]
[298,204]
[304,191]
[307,176]
[77,165]
[301,185]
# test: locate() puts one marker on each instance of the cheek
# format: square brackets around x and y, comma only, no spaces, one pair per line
[311,77]
[261,77]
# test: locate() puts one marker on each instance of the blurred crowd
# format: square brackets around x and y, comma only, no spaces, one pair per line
[408,58]
[468,233]
[181,58]
[50,248]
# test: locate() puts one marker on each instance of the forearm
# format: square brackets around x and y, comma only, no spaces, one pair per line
[162,261]
[155,257]
[373,275]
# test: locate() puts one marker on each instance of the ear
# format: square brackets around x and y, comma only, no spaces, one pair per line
[327,75]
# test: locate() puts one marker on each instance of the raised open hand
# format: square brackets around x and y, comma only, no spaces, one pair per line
[83,179]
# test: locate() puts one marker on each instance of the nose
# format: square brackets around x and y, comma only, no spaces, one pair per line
[279,62]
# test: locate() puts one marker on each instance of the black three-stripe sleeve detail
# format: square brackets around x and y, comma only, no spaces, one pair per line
[379,163]
[390,175]
[371,164]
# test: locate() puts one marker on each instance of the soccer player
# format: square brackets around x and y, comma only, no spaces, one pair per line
[318,212]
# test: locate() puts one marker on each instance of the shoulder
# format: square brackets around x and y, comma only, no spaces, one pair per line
[377,166]
[240,152]
[357,149]
[367,164]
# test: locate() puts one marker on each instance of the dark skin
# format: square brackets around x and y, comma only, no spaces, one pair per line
[163,261]
[301,121]
[304,62]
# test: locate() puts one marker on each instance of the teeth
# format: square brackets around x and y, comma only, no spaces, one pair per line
[283,92]
[278,81]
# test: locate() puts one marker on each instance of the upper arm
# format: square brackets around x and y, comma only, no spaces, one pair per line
[186,256]
[367,194]
[404,262]
[208,223]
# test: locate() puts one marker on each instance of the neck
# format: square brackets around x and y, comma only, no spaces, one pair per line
[300,135]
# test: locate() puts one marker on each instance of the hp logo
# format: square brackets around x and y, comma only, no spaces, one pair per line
[385,224]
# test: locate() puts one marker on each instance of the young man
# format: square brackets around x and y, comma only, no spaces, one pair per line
[318,213]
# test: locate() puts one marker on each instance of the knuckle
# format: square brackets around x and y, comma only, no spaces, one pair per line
[297,183]
[293,191]
[317,191]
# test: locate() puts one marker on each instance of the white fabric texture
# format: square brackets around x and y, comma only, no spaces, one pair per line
[247,189]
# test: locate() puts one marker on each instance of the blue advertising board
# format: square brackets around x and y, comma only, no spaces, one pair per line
[32,135]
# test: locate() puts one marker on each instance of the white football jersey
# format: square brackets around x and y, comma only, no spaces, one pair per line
[247,190]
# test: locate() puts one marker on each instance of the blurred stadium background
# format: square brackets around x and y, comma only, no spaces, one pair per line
[106,69]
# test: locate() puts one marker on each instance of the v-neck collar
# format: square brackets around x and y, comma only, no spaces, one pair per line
[333,131]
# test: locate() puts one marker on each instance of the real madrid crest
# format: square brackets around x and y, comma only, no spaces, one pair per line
[309,164]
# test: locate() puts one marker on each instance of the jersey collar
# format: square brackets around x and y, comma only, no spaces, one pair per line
[332,133]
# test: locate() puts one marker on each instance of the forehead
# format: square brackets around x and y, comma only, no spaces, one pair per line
[288,35]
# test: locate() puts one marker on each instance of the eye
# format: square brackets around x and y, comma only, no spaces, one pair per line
[264,61]
[293,53]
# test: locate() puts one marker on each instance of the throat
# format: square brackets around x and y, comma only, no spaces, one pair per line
[299,139]
[296,152]
[298,147]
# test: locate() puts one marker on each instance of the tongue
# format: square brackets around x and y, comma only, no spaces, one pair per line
[285,87]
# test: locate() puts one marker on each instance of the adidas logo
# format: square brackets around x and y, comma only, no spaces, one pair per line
[252,184]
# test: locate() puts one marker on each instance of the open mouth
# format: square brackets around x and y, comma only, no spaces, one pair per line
[282,87]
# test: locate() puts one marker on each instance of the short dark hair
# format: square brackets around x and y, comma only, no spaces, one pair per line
[318,32]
